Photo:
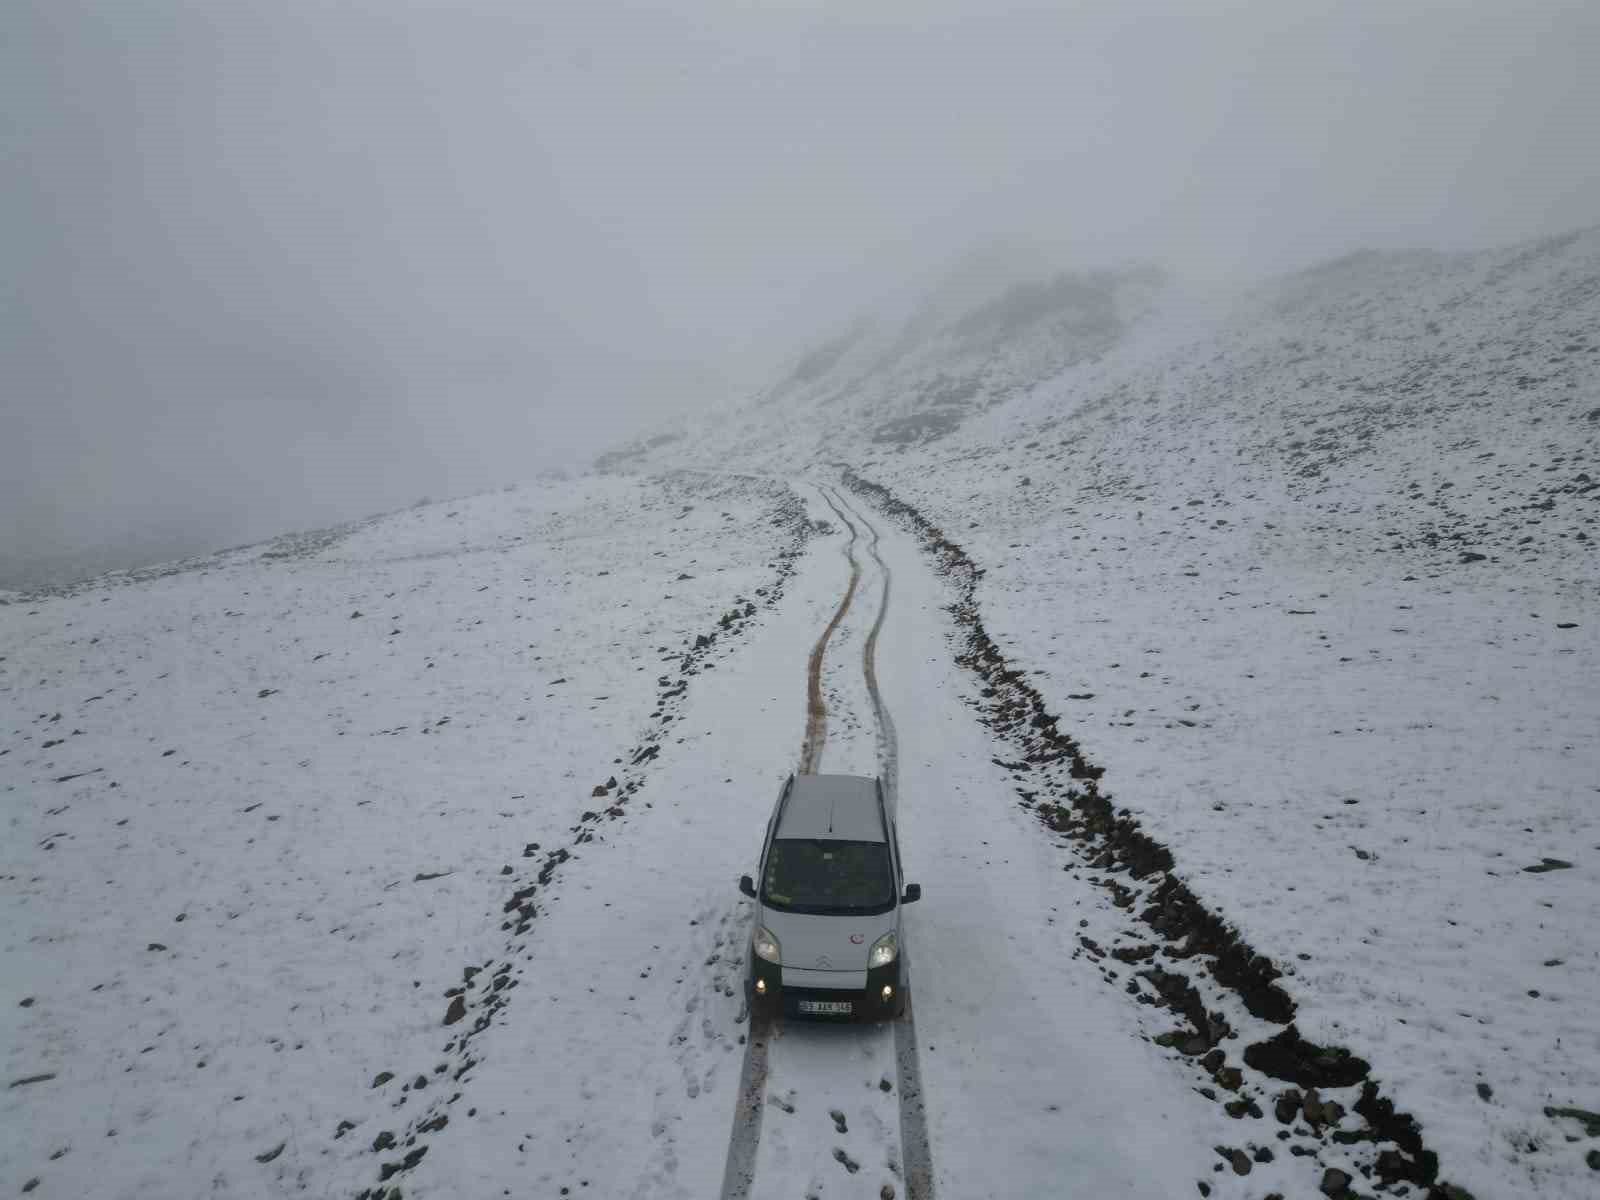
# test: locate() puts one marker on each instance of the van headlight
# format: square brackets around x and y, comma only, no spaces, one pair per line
[766,946]
[884,950]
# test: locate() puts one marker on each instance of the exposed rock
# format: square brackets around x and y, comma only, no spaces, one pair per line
[382,1078]
[1237,1159]
[1287,1106]
[1589,1120]
[457,1010]
[1291,1058]
[1334,1182]
[1548,864]
[410,1160]
[271,1154]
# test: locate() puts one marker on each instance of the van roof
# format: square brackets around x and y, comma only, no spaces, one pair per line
[839,808]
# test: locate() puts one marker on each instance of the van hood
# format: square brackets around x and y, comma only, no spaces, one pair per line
[813,942]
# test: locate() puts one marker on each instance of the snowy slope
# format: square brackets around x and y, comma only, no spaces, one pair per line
[1313,577]
[262,811]
[399,858]
[1319,593]
[962,351]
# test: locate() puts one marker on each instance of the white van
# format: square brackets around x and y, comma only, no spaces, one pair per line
[827,935]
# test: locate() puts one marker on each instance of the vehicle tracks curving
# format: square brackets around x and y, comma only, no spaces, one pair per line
[816,707]
[745,1139]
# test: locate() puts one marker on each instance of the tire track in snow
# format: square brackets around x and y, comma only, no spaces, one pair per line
[916,1154]
[816,708]
[745,1140]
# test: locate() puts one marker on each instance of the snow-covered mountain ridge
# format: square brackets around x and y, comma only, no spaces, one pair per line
[401,857]
[1313,576]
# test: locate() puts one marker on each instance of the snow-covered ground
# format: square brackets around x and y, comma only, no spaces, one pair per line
[257,812]
[1254,589]
[410,847]
[1312,575]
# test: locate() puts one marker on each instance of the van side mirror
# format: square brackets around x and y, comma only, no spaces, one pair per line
[913,893]
[747,886]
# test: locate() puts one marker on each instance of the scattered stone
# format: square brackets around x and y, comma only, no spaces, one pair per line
[384,1141]
[1319,1112]
[1593,1159]
[30,1185]
[265,692]
[382,1078]
[1291,1058]
[1237,1159]
[1469,556]
[1287,1106]
[1589,1120]
[457,1010]
[27,1002]
[1334,1182]
[1263,1154]
[1548,864]
[838,1121]
[849,1164]
[885,1086]
[271,1154]
[1485,1092]
[410,1160]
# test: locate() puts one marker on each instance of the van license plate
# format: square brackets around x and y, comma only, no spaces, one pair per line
[828,1008]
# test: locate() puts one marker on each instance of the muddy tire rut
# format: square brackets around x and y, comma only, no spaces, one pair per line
[744,1141]
[816,706]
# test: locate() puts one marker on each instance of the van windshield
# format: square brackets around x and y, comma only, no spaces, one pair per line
[807,876]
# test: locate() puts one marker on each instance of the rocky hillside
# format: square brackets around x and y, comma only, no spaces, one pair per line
[900,384]
[1311,573]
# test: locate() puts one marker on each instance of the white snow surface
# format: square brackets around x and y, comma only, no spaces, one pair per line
[1313,574]
[259,808]
[217,924]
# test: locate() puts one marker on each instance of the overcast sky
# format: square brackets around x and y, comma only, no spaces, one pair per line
[277,262]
